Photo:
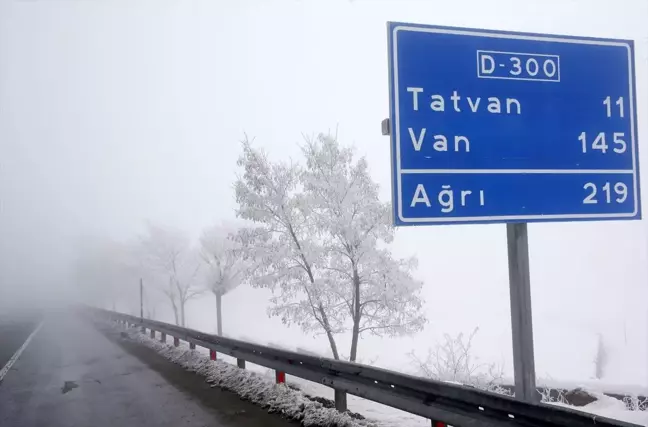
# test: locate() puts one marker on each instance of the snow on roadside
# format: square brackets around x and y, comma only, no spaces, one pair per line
[385,415]
[251,386]
[256,383]
[599,385]
[610,407]
[382,415]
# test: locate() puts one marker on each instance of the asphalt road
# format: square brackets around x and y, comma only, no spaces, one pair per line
[72,375]
[14,331]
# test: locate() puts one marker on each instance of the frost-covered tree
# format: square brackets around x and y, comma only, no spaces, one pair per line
[320,244]
[225,264]
[172,265]
[379,293]
[454,361]
[285,246]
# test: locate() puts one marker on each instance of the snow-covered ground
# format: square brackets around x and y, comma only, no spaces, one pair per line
[252,386]
[597,385]
[377,413]
[386,416]
[382,414]
[258,378]
[611,408]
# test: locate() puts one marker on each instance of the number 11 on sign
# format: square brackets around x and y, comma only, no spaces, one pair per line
[608,104]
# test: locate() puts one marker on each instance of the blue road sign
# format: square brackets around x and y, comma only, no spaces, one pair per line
[491,126]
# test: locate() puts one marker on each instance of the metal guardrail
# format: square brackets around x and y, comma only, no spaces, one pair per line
[455,405]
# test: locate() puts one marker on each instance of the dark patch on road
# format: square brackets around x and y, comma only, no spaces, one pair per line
[225,405]
[91,361]
[133,370]
[68,386]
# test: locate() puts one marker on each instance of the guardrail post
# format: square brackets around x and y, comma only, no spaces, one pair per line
[240,363]
[163,337]
[212,354]
[340,401]
[176,341]
[152,334]
[192,346]
[280,377]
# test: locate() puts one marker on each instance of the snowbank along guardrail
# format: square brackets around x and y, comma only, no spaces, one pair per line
[443,403]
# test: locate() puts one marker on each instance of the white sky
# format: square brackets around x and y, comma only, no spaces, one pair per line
[113,112]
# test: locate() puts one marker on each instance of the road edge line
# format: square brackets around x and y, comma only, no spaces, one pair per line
[5,369]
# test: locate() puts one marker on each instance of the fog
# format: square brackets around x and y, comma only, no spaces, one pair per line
[116,113]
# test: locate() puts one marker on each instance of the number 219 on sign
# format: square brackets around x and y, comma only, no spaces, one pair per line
[620,190]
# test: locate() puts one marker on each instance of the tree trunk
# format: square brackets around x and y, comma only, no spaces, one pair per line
[175,311]
[219,314]
[182,314]
[325,323]
[354,341]
[334,349]
[355,335]
[329,334]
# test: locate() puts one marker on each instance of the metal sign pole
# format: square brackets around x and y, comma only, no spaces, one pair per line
[141,289]
[521,316]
